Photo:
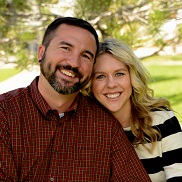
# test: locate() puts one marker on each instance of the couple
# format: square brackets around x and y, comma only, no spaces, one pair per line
[51,132]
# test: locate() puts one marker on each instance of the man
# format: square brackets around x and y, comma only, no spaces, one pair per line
[50,132]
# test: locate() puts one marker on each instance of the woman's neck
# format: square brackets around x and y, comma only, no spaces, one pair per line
[124,119]
[124,116]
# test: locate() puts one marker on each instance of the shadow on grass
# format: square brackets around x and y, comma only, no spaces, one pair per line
[175,99]
[155,79]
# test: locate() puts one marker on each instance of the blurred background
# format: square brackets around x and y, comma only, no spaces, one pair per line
[153,28]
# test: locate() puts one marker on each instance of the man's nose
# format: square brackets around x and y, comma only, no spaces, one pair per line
[74,60]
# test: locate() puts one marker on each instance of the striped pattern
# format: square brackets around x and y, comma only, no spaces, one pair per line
[165,163]
[86,145]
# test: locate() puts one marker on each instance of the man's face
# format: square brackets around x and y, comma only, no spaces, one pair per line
[68,60]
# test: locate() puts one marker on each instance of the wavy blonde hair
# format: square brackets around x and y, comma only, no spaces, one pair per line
[142,98]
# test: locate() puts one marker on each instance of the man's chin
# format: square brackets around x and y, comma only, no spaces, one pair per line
[67,90]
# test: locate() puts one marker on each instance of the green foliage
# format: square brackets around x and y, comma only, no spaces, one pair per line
[138,23]
[90,9]
[156,19]
[21,23]
[25,60]
[179,33]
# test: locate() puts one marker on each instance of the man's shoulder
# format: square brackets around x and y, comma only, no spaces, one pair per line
[13,98]
[92,107]
[13,94]
[91,103]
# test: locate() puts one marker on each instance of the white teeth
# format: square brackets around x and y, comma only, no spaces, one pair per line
[112,96]
[68,73]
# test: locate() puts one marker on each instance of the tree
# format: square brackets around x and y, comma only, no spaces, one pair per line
[138,22]
[21,24]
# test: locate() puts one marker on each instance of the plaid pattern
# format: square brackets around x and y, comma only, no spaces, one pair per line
[86,145]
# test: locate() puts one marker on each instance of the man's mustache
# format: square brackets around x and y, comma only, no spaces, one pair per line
[68,67]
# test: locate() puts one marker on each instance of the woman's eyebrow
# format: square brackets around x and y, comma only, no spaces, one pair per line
[121,69]
[97,72]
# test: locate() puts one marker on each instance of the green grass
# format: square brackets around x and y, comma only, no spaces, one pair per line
[7,73]
[167,82]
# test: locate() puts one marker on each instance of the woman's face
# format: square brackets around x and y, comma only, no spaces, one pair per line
[111,83]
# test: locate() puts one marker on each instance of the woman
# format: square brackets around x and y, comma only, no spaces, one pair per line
[120,84]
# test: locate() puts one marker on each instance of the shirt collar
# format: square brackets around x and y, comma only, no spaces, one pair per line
[42,104]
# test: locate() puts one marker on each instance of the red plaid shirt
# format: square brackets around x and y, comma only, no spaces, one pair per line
[86,145]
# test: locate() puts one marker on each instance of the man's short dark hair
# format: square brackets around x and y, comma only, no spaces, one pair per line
[50,31]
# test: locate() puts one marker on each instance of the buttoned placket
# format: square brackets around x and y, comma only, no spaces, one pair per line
[51,179]
[57,146]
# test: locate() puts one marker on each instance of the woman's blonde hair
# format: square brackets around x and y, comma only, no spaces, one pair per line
[142,98]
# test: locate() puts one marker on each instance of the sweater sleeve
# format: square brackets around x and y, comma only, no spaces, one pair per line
[172,148]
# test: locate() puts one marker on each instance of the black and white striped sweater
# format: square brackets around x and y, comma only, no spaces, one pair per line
[165,162]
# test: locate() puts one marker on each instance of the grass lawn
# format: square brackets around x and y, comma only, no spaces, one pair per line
[7,73]
[167,82]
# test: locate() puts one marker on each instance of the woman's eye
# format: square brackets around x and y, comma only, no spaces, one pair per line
[99,76]
[119,74]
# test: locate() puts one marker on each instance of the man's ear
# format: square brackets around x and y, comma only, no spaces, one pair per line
[41,50]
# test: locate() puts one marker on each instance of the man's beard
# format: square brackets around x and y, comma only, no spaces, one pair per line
[61,88]
[64,88]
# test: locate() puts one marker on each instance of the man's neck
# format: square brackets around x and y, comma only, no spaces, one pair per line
[56,101]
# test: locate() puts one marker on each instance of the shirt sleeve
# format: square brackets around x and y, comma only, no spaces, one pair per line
[7,167]
[125,163]
[172,148]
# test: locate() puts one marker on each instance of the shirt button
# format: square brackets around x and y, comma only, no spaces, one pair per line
[51,179]
[55,151]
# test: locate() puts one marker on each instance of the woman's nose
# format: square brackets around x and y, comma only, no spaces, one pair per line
[111,82]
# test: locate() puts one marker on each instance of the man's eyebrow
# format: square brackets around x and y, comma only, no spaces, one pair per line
[68,44]
[65,43]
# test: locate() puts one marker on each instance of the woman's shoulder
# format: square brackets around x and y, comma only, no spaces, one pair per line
[161,116]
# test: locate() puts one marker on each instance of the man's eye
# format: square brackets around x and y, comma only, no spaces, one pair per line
[66,48]
[87,56]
